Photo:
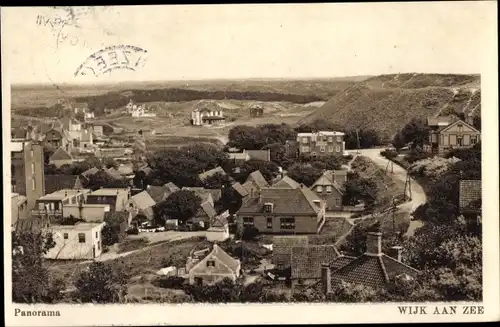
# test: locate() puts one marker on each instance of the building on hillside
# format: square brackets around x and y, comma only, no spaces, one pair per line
[373,268]
[470,199]
[52,204]
[60,158]
[447,133]
[215,267]
[206,116]
[117,198]
[256,111]
[283,211]
[321,144]
[76,242]
[141,205]
[254,183]
[286,182]
[27,171]
[306,264]
[329,187]
[219,228]
[58,138]
[19,210]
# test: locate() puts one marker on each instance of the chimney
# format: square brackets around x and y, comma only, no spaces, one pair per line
[326,278]
[374,244]
[398,251]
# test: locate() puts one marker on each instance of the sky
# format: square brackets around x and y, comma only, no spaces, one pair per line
[248,41]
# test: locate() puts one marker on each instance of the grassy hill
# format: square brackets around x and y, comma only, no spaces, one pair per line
[387,102]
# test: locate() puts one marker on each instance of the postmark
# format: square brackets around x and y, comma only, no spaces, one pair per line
[112,58]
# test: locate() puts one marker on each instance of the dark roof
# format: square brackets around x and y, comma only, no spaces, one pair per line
[220,220]
[213,118]
[286,182]
[370,270]
[328,179]
[258,179]
[306,260]
[55,183]
[60,154]
[264,155]
[470,195]
[284,244]
[285,201]
[158,193]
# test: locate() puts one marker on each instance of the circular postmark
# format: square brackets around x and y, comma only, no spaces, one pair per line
[125,57]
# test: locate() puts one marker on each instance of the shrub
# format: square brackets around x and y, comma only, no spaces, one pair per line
[415,155]
[171,282]
[133,230]
[389,154]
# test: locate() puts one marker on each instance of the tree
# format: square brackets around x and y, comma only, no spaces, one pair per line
[112,232]
[350,292]
[358,189]
[355,242]
[31,281]
[180,205]
[101,283]
[318,125]
[216,181]
[416,131]
[229,200]
[279,154]
[103,179]
[398,141]
[306,174]
[268,169]
[245,137]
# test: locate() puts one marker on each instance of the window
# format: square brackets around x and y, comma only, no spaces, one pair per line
[460,140]
[460,127]
[31,153]
[268,207]
[337,149]
[210,263]
[32,167]
[339,139]
[330,139]
[330,149]
[96,235]
[322,149]
[269,222]
[99,245]
[305,149]
[33,184]
[81,237]
[473,140]
[65,236]
[328,189]
[247,221]
[305,140]
[337,201]
[319,189]
[287,223]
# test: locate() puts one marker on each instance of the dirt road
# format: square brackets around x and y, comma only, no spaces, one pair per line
[399,175]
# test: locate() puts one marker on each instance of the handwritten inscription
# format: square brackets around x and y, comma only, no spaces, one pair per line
[442,310]
[113,58]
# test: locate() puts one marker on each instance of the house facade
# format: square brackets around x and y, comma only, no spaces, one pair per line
[205,116]
[215,267]
[52,204]
[256,111]
[117,198]
[76,242]
[19,205]
[329,187]
[446,134]
[57,138]
[321,144]
[283,211]
[219,228]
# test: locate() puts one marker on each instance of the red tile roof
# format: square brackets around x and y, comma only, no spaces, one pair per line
[470,196]
[306,260]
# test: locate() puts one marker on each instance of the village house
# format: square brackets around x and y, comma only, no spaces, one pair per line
[282,249]
[86,139]
[60,158]
[52,204]
[27,171]
[207,116]
[283,211]
[19,209]
[161,193]
[470,199]
[239,158]
[240,190]
[116,198]
[85,211]
[256,111]
[213,268]
[373,268]
[212,172]
[330,188]
[206,211]
[321,144]
[304,259]
[447,133]
[219,228]
[254,183]
[76,242]
[141,205]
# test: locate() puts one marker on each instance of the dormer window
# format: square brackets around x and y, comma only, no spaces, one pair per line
[319,189]
[210,263]
[268,207]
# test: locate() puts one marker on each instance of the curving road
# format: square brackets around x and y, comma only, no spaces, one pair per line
[399,175]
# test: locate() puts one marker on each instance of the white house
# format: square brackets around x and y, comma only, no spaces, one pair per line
[216,266]
[219,229]
[76,242]
[205,116]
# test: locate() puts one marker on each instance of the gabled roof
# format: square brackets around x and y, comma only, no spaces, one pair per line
[157,193]
[285,201]
[171,187]
[125,169]
[284,244]
[225,258]
[208,209]
[369,270]
[240,189]
[470,195]
[220,220]
[19,133]
[440,120]
[113,173]
[263,155]
[457,122]
[143,200]
[60,154]
[203,193]
[328,179]
[286,182]
[258,179]
[90,172]
[306,260]
[55,183]
[211,172]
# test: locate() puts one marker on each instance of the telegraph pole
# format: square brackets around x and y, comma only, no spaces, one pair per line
[408,185]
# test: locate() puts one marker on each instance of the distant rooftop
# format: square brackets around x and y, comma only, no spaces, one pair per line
[326,133]
[109,191]
[63,194]
[81,226]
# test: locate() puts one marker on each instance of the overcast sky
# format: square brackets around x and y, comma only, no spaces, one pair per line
[251,41]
